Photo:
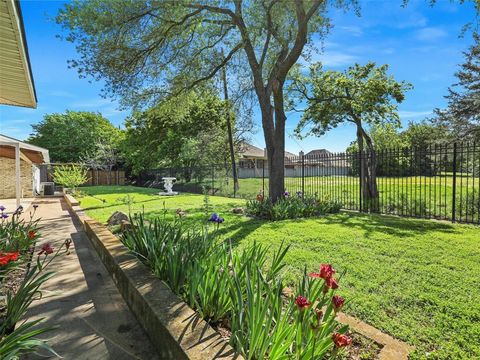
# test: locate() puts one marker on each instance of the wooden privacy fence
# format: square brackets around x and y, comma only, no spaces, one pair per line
[95,177]
[105,177]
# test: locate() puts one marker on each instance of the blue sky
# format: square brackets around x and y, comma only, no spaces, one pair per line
[421,44]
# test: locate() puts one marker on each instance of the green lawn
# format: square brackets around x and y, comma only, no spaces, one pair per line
[418,280]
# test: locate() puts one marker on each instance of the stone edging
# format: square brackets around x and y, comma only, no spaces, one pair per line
[176,331]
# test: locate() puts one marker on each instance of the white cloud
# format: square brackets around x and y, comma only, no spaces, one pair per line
[333,58]
[16,121]
[414,114]
[61,93]
[92,103]
[415,19]
[430,34]
[352,30]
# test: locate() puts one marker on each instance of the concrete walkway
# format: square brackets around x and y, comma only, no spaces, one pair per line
[94,321]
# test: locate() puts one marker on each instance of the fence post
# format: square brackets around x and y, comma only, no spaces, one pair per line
[263,177]
[454,182]
[360,175]
[302,155]
[213,180]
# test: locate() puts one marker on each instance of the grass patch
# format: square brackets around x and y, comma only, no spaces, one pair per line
[417,280]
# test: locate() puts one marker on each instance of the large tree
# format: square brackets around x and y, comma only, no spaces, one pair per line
[362,95]
[73,134]
[462,115]
[184,131]
[141,48]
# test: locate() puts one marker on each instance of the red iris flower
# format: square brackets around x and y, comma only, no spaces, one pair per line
[302,302]
[341,340]
[46,249]
[338,302]
[331,283]
[326,271]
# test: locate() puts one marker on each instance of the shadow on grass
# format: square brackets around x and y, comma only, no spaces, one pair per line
[398,226]
[116,189]
[104,206]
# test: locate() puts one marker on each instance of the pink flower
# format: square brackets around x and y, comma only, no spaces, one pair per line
[46,249]
[302,302]
[338,302]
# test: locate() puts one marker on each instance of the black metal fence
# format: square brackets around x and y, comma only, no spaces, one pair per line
[438,181]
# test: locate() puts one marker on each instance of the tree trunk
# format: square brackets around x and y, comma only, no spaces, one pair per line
[276,147]
[368,171]
[230,132]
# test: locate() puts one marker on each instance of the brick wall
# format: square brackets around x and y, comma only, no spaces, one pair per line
[7,178]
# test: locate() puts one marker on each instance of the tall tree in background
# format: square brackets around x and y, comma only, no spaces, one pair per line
[73,134]
[183,131]
[141,48]
[462,115]
[362,95]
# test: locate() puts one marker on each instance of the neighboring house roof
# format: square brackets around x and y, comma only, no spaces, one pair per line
[16,79]
[318,152]
[35,154]
[247,150]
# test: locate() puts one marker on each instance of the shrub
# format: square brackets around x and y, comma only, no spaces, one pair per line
[243,290]
[291,207]
[70,176]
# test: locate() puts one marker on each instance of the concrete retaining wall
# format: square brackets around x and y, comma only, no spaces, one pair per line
[174,328]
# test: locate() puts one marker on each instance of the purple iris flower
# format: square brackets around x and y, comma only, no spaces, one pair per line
[219,220]
[4,216]
[19,210]
[2,208]
[214,217]
[35,206]
[286,194]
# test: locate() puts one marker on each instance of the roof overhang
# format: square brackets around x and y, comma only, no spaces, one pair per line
[29,152]
[16,81]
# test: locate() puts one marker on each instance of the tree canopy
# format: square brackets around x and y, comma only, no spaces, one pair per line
[71,135]
[361,95]
[179,132]
[462,115]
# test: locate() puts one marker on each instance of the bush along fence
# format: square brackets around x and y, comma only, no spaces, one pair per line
[94,176]
[436,181]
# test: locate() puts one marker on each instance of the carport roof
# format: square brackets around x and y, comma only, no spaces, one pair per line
[35,154]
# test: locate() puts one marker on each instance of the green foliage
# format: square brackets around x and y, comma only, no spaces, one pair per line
[461,116]
[183,132]
[70,176]
[56,132]
[361,94]
[291,207]
[238,288]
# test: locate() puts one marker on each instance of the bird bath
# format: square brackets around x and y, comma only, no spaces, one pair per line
[168,185]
